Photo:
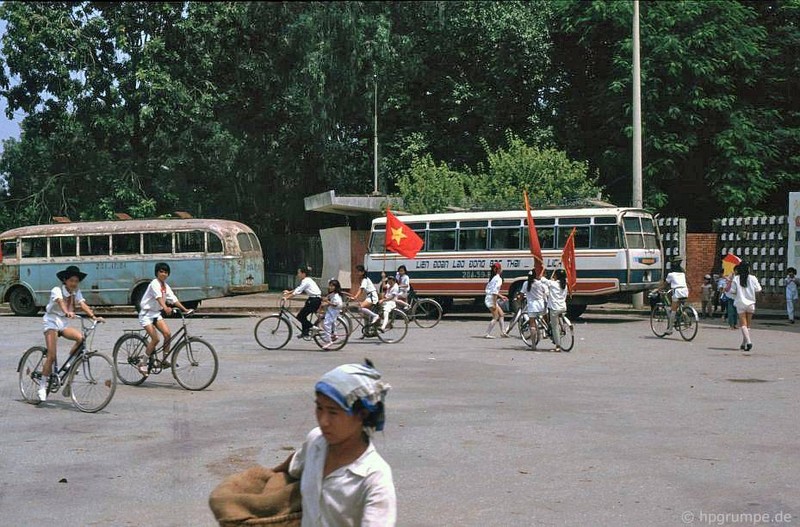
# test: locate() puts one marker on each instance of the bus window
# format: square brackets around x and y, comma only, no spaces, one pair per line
[632,224]
[507,239]
[546,235]
[94,245]
[254,242]
[125,244]
[34,247]
[189,242]
[442,240]
[376,244]
[8,249]
[605,220]
[63,246]
[647,226]
[650,241]
[157,243]
[214,243]
[472,239]
[581,236]
[633,232]
[244,242]
[572,221]
[605,237]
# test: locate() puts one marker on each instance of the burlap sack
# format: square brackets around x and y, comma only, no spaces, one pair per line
[257,496]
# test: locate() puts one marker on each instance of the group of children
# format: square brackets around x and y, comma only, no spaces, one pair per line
[395,290]
[543,297]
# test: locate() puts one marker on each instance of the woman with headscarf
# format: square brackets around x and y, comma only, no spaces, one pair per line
[343,480]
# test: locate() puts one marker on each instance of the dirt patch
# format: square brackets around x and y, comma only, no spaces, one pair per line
[237,461]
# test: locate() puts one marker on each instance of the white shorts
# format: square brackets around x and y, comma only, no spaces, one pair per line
[489,302]
[147,319]
[680,292]
[54,323]
[746,309]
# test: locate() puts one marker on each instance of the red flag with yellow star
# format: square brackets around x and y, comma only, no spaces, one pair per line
[400,238]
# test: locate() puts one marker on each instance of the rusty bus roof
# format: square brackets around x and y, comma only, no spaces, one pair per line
[127,226]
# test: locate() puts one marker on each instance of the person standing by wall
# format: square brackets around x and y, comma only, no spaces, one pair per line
[707,297]
[792,283]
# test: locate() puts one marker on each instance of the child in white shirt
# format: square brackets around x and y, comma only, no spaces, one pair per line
[389,300]
[792,282]
[157,299]
[557,303]
[677,283]
[344,482]
[64,299]
[743,291]
[333,307]
[493,296]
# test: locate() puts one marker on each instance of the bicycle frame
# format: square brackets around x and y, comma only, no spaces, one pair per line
[88,338]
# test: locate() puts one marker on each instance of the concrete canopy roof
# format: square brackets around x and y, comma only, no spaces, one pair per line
[351,205]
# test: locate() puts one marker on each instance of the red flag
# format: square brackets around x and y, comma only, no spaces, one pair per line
[568,261]
[533,238]
[400,238]
[729,262]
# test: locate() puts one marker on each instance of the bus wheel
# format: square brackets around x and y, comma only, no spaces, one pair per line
[136,297]
[575,310]
[22,303]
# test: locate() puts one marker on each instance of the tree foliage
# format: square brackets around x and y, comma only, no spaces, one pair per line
[240,109]
[549,176]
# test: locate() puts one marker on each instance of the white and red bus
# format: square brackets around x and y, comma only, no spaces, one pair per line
[618,252]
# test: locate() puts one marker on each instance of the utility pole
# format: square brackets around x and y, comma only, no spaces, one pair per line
[638,298]
[375,136]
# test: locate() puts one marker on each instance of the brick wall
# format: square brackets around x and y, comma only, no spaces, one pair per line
[701,259]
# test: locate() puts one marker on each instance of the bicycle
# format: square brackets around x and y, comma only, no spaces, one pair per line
[395,330]
[532,335]
[686,318]
[425,312]
[87,376]
[193,361]
[274,331]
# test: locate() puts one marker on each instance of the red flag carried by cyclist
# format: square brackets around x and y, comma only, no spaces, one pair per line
[533,237]
[400,238]
[568,261]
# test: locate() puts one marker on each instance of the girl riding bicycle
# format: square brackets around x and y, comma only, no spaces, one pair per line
[366,296]
[63,301]
[677,283]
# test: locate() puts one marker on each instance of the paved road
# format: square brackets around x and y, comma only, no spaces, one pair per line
[625,430]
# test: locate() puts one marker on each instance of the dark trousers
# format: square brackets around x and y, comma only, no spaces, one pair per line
[310,307]
[731,313]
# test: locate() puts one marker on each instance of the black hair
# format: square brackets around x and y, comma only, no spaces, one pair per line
[162,266]
[373,418]
[531,277]
[791,270]
[361,269]
[306,270]
[744,273]
[403,267]
[337,287]
[676,267]
[561,276]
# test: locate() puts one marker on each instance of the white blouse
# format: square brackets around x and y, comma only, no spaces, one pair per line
[359,494]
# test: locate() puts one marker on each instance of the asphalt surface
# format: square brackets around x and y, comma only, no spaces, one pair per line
[628,429]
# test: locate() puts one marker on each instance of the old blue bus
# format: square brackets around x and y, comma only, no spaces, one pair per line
[209,259]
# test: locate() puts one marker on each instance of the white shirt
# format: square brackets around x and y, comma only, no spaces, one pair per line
[791,286]
[535,296]
[335,301]
[307,286]
[744,296]
[391,292]
[149,304]
[493,288]
[677,282]
[369,289]
[404,282]
[61,293]
[557,296]
[359,494]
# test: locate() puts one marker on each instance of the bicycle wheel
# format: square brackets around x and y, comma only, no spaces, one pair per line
[128,350]
[338,339]
[567,334]
[396,328]
[30,371]
[273,332]
[689,323]
[194,364]
[659,320]
[427,313]
[347,317]
[92,382]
